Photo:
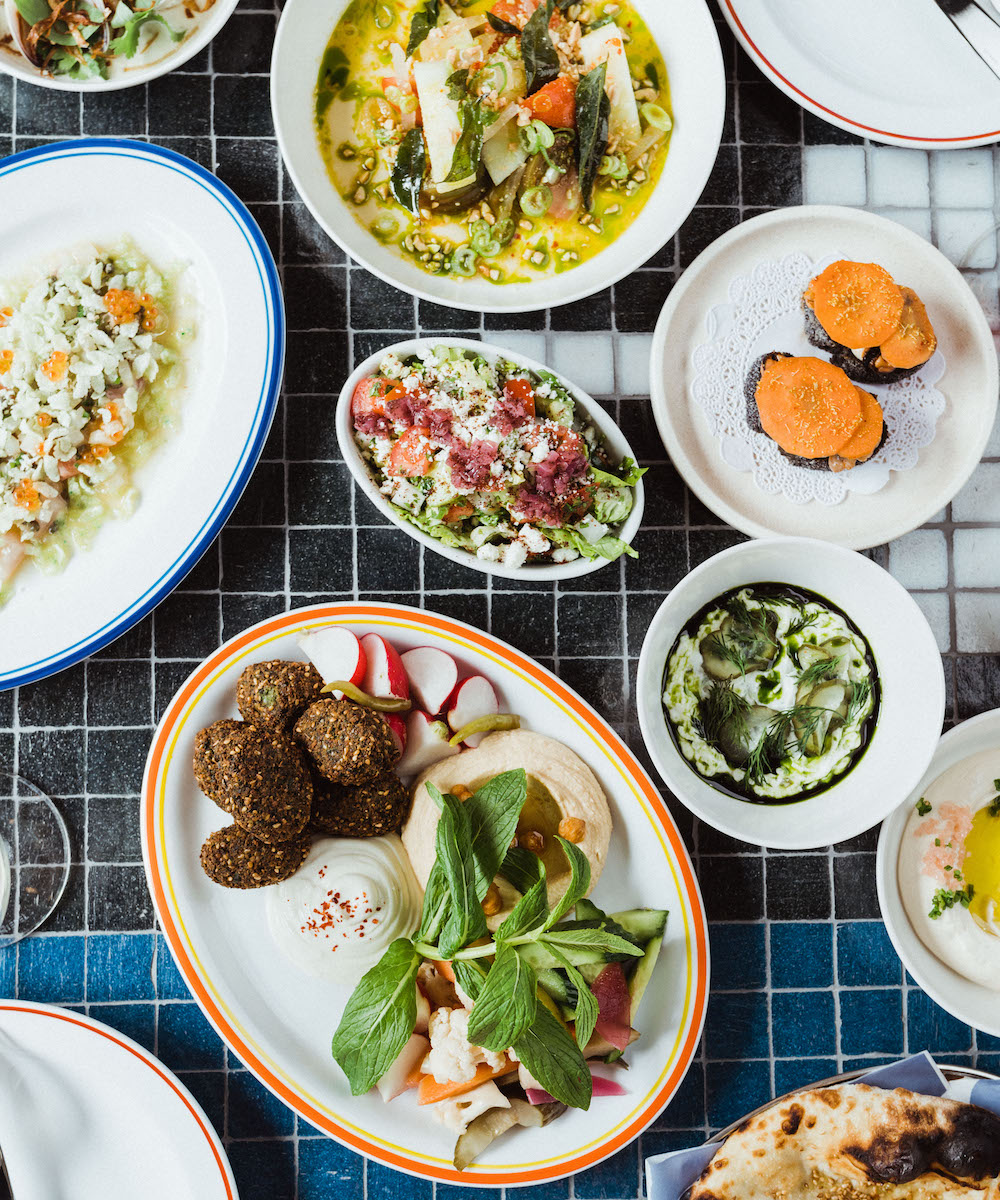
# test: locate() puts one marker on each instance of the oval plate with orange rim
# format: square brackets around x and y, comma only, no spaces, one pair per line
[279,1022]
[893,71]
[86,1112]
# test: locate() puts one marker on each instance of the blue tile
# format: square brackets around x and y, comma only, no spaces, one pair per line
[871,1022]
[616,1176]
[985,1041]
[170,983]
[263,1170]
[120,966]
[254,1112]
[447,1191]
[209,1089]
[803,1024]
[137,1021]
[801,954]
[870,1062]
[738,957]
[989,1062]
[687,1109]
[8,971]
[931,1028]
[50,969]
[327,1170]
[387,1184]
[187,1041]
[557,1189]
[737,1026]
[865,956]
[791,1075]
[736,1088]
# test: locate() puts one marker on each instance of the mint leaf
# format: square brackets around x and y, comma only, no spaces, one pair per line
[493,814]
[597,940]
[579,881]
[379,1018]
[529,912]
[435,905]
[465,921]
[587,1009]
[506,1005]
[555,1060]
[470,974]
[521,868]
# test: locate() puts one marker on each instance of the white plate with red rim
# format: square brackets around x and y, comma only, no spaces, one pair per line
[894,71]
[614,440]
[970,1002]
[687,39]
[279,1021]
[970,383]
[86,1112]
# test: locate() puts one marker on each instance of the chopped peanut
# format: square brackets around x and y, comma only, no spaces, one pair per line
[44,419]
[572,829]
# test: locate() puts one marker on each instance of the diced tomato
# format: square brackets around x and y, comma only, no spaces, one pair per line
[458,512]
[555,104]
[565,438]
[370,396]
[521,393]
[409,455]
[514,12]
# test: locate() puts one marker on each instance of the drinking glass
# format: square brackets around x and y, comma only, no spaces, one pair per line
[34,858]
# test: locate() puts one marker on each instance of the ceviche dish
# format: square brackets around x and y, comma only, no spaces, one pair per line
[507,140]
[90,365]
[492,458]
[771,693]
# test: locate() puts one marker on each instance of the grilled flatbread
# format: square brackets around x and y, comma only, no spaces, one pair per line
[858,1141]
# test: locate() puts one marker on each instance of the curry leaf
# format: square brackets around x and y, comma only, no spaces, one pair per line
[407,177]
[424,20]
[469,149]
[593,113]
[506,1005]
[502,26]
[541,62]
[555,1060]
[379,1018]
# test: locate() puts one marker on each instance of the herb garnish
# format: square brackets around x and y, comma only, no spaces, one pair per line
[825,668]
[541,61]
[721,707]
[593,115]
[923,808]
[993,808]
[407,178]
[944,899]
[718,645]
[424,20]
[502,26]
[861,690]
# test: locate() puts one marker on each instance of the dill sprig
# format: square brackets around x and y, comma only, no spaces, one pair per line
[723,706]
[861,690]
[825,668]
[722,648]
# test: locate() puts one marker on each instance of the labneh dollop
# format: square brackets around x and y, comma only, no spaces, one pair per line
[348,901]
[949,868]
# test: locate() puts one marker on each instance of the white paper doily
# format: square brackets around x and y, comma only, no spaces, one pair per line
[765,314]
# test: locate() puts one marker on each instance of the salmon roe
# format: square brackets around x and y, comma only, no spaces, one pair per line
[55,365]
[44,419]
[26,495]
[6,358]
[126,306]
[4,314]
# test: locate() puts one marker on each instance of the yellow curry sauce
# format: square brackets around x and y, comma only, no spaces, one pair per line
[359,134]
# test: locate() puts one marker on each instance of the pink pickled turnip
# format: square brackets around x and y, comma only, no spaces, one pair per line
[384,675]
[614,1017]
[473,698]
[336,653]
[426,743]
[432,674]
[600,1086]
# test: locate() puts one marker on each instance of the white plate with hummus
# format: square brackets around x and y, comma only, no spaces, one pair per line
[279,1018]
[939,853]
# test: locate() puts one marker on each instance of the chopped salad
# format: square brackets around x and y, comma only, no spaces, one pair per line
[491,458]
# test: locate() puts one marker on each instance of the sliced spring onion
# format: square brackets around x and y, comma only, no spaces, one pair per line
[536,137]
[493,78]
[490,724]
[464,260]
[656,116]
[504,231]
[483,239]
[385,16]
[614,166]
[385,227]
[389,704]
[536,201]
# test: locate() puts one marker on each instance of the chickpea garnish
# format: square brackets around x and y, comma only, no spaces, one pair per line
[572,829]
[461,792]
[492,903]
[532,840]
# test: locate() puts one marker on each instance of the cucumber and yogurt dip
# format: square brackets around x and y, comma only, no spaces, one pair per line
[771,693]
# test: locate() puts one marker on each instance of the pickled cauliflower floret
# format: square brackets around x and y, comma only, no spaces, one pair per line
[459,1113]
[453,1058]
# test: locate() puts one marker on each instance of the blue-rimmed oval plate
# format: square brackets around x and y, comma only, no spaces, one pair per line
[58,201]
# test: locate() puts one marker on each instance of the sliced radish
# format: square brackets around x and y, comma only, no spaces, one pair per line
[336,653]
[393,1083]
[473,698]
[384,674]
[432,674]
[397,726]
[426,743]
[614,1006]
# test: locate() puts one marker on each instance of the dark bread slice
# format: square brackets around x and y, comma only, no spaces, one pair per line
[860,370]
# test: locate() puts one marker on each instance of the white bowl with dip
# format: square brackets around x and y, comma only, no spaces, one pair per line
[971,1002]
[909,672]
[686,36]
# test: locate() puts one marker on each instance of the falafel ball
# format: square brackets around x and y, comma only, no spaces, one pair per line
[258,776]
[369,810]
[207,771]
[234,858]
[274,694]
[347,742]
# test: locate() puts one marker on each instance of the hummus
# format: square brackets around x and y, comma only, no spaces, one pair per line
[949,866]
[560,786]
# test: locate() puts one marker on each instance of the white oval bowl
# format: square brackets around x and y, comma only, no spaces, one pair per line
[909,671]
[970,1002]
[687,38]
[201,34]
[613,436]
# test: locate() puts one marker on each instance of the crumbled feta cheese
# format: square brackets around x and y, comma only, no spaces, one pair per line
[489,553]
[534,539]
[516,554]
[564,554]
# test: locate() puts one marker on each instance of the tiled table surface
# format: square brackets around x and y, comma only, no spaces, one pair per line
[805,982]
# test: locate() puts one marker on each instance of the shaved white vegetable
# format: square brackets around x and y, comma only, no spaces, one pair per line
[502,155]
[453,35]
[393,1082]
[442,123]
[606,44]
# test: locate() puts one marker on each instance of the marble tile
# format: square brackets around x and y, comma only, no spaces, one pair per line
[632,363]
[917,219]
[979,500]
[834,175]
[968,237]
[935,607]
[977,558]
[963,178]
[977,623]
[920,559]
[587,359]
[898,178]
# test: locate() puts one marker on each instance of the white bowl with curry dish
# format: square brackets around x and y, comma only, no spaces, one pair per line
[790,692]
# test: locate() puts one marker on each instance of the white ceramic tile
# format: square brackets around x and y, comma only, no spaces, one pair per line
[985,284]
[917,219]
[834,175]
[979,500]
[920,559]
[976,623]
[963,178]
[977,559]
[632,363]
[897,177]
[993,445]
[934,606]
[968,237]
[587,359]
[531,345]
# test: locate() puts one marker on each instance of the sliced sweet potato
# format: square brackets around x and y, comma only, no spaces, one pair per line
[858,304]
[913,341]
[864,441]
[808,406]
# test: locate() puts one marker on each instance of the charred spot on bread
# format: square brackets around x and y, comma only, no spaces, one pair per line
[973,1150]
[793,1119]
[894,1158]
